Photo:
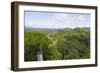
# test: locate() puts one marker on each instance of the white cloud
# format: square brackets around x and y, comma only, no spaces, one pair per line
[64,18]
[81,18]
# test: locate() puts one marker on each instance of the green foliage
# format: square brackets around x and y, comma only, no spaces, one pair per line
[57,45]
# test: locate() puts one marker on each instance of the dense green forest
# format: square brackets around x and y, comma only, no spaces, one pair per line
[57,44]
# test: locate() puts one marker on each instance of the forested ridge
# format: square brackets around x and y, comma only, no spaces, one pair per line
[57,44]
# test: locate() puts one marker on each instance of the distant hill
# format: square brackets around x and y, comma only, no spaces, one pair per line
[41,29]
[86,28]
[49,29]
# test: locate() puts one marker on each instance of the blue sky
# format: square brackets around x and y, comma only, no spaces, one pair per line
[56,20]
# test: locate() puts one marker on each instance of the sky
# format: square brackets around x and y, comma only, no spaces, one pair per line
[55,20]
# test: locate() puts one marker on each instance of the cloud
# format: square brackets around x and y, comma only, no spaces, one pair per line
[62,17]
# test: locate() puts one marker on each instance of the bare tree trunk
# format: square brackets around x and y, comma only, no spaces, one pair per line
[40,54]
